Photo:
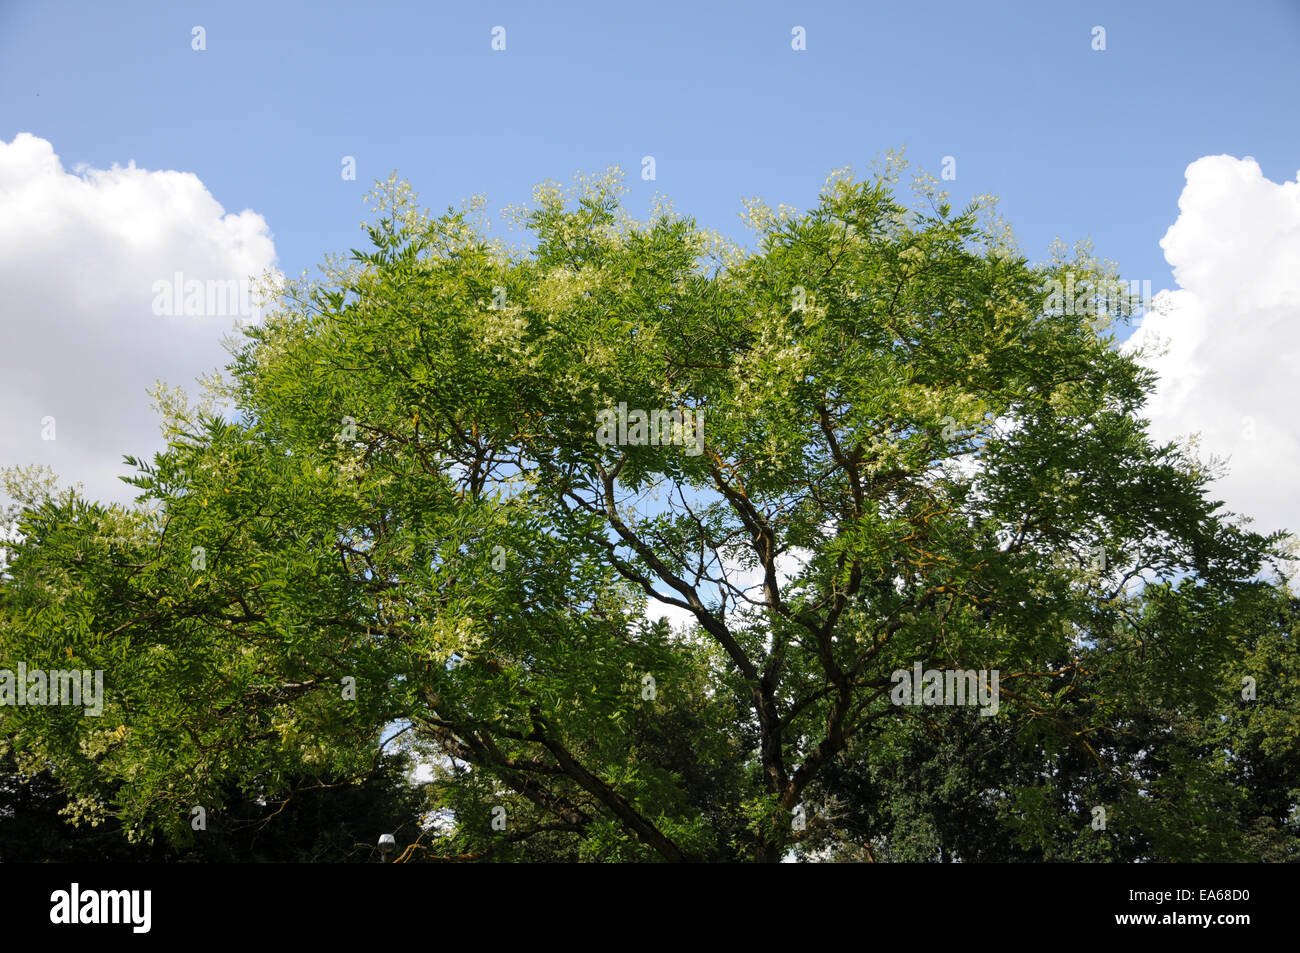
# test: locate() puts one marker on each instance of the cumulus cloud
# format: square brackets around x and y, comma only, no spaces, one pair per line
[110,279]
[1227,340]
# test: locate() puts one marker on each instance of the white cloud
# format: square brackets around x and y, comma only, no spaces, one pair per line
[79,258]
[1231,331]
[677,617]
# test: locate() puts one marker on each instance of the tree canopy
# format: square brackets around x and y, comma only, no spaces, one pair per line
[882,445]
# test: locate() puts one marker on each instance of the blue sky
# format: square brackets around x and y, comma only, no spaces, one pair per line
[1076,142]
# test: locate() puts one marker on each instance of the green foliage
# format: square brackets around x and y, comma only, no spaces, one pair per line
[315,820]
[907,457]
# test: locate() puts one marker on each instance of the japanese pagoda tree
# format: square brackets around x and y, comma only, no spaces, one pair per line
[882,444]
